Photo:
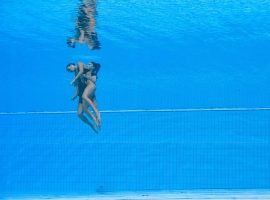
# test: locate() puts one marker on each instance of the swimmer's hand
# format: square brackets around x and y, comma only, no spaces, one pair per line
[72,82]
[74,97]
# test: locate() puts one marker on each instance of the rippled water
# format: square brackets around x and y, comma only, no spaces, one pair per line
[134,21]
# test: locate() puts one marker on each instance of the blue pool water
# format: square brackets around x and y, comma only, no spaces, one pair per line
[155,55]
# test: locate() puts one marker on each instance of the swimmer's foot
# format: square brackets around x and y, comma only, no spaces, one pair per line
[99,127]
[99,124]
[94,128]
[99,120]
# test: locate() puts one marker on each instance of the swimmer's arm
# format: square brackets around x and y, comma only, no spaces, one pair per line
[81,37]
[79,73]
[76,93]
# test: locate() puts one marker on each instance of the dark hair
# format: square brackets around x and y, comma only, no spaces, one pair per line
[96,68]
[69,64]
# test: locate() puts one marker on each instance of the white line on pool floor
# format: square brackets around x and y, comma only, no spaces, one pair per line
[143,110]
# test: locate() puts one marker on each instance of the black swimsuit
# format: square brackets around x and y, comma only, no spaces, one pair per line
[81,87]
[82,81]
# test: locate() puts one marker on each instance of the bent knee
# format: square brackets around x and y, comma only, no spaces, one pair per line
[85,97]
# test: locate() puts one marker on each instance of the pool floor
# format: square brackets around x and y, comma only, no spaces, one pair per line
[170,195]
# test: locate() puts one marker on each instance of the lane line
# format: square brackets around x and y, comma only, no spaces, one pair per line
[141,111]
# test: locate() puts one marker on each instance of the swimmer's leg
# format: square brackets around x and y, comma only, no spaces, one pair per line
[89,113]
[94,100]
[83,118]
[89,90]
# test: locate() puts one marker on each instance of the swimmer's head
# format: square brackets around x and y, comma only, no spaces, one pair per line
[71,67]
[91,65]
[95,65]
[71,42]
